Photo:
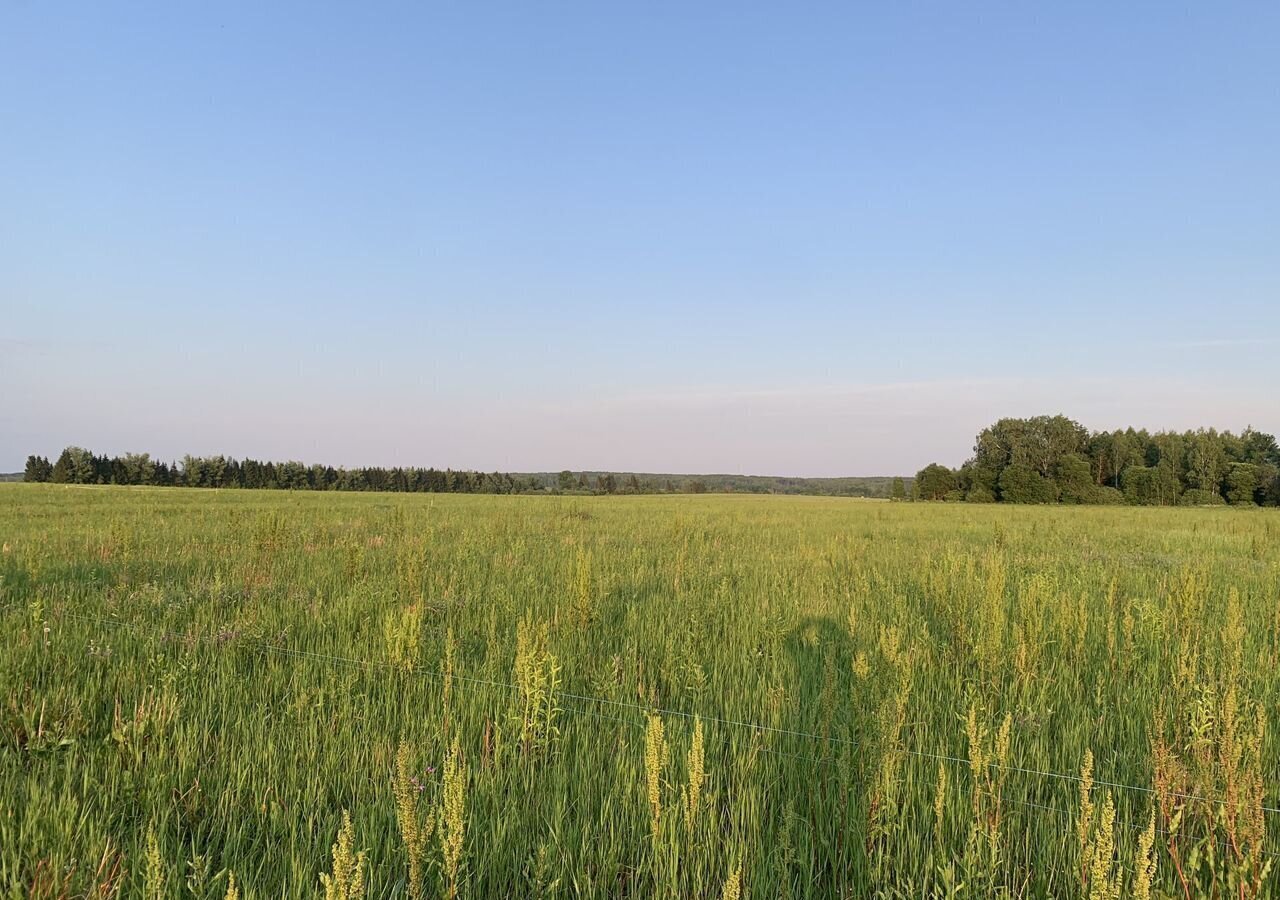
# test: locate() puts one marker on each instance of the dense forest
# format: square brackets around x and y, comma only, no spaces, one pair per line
[79,466]
[878,487]
[1053,459]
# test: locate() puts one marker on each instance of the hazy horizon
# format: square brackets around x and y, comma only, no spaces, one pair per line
[953,455]
[818,243]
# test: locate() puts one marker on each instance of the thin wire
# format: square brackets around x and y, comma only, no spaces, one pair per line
[1077,779]
[559,694]
[1221,843]
[754,726]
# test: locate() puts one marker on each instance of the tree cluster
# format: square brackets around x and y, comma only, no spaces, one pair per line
[79,466]
[1053,459]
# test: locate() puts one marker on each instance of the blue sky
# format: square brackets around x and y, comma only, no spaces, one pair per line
[796,239]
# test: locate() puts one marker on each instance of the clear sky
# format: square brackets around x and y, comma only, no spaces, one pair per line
[801,239]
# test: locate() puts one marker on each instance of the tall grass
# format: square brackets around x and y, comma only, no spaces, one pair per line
[455,696]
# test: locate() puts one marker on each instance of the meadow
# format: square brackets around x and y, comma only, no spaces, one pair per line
[272,694]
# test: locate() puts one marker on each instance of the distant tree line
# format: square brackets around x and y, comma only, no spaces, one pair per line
[76,465]
[1053,459]
[79,466]
[651,483]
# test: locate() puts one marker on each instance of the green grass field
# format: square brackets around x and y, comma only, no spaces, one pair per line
[712,696]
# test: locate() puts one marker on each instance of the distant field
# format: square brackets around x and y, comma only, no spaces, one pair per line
[670,696]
